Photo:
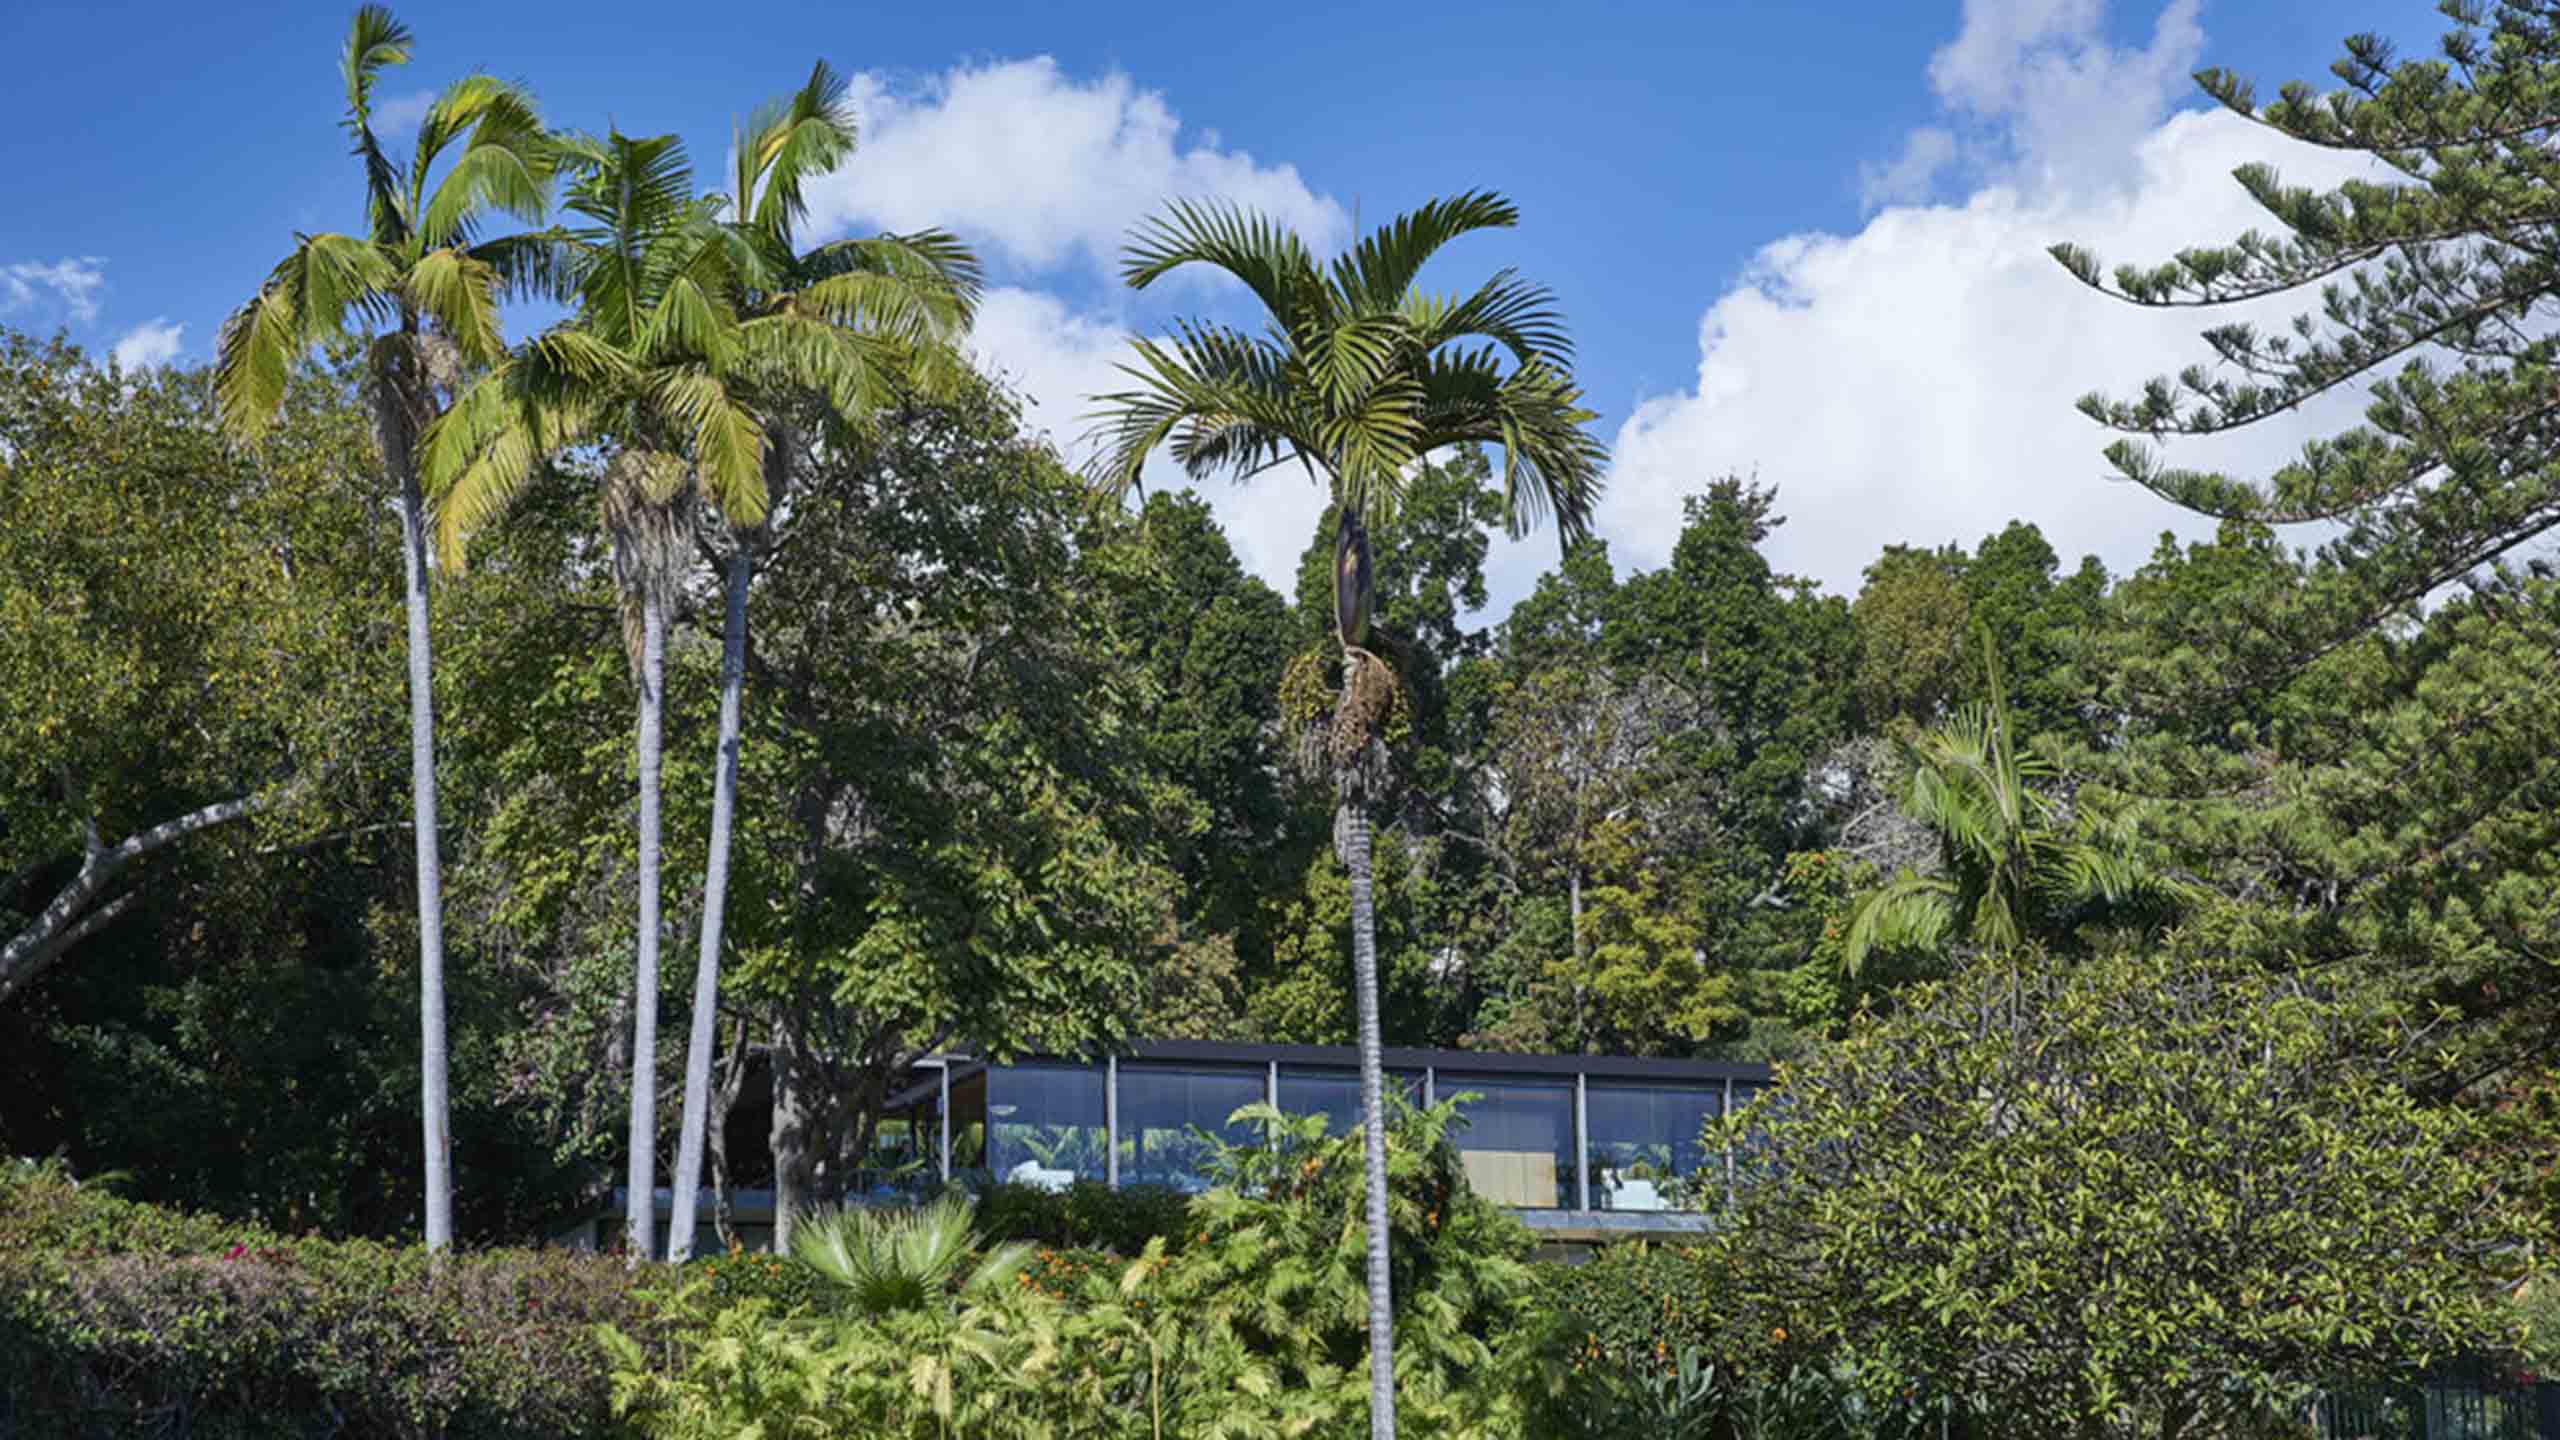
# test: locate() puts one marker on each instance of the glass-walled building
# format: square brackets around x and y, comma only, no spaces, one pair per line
[1570,1142]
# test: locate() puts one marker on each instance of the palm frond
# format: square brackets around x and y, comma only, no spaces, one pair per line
[476,458]
[529,265]
[459,292]
[787,144]
[1221,395]
[1520,316]
[1375,273]
[1909,912]
[307,299]
[927,259]
[375,41]
[724,436]
[506,166]
[1268,257]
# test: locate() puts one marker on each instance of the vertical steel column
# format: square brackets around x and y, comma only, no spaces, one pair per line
[1581,1141]
[1111,1121]
[1430,1086]
[1271,1097]
[944,1105]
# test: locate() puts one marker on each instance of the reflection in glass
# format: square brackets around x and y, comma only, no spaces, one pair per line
[1168,1113]
[1515,1138]
[1335,1094]
[1647,1145]
[1044,1124]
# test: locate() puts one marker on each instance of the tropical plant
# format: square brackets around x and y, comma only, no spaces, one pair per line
[855,323]
[891,1260]
[1359,376]
[426,284]
[2017,861]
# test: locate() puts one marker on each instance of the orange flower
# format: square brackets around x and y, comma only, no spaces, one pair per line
[1779,1335]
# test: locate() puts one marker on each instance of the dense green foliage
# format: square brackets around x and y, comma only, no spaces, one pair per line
[2136,1196]
[1256,1327]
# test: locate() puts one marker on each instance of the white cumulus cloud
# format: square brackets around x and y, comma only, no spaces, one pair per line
[73,283]
[1042,168]
[154,342]
[1056,356]
[1914,381]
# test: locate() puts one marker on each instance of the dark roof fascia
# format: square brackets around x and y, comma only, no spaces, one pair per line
[1464,1062]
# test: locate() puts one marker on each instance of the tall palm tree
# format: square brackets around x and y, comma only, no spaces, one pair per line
[864,315]
[670,357]
[426,285]
[1358,375]
[2015,859]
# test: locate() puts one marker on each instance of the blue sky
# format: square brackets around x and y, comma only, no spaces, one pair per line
[1797,241]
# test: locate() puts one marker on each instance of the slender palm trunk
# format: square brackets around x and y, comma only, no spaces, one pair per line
[644,1023]
[715,894]
[399,453]
[1373,1119]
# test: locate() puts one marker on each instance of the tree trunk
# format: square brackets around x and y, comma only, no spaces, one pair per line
[392,420]
[715,894]
[792,1157]
[1373,1119]
[644,1015]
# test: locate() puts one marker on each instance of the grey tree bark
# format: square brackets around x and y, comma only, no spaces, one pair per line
[1373,1121]
[401,382]
[76,912]
[715,894]
[642,1177]
[793,1156]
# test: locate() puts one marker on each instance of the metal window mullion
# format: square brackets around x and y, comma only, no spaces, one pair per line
[1111,1121]
[945,1106]
[1581,1141]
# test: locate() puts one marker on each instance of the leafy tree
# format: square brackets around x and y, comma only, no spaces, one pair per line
[1360,375]
[1213,641]
[972,855]
[424,275]
[2156,1195]
[1911,618]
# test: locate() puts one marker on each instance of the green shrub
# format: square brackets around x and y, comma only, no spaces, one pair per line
[785,1285]
[118,1318]
[1087,1215]
[1256,1327]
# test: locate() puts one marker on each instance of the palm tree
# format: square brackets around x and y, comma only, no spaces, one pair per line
[2016,861]
[427,284]
[1358,376]
[677,346]
[863,315]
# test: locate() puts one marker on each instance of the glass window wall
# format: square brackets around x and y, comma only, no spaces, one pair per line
[1647,1146]
[1045,1124]
[1335,1094]
[1170,1116]
[1515,1138]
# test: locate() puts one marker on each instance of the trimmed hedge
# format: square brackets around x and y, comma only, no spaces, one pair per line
[118,1318]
